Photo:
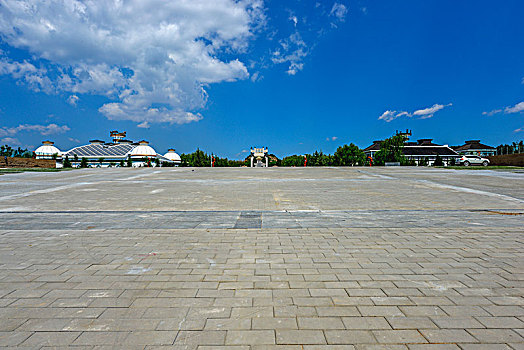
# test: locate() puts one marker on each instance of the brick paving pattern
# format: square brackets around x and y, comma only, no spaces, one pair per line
[248,279]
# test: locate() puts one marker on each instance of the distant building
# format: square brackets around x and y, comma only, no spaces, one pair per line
[48,150]
[425,150]
[259,157]
[421,151]
[106,154]
[474,147]
[374,148]
[173,156]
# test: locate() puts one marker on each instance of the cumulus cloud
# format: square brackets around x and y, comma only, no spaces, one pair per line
[492,112]
[50,129]
[153,59]
[297,42]
[333,138]
[72,100]
[388,116]
[10,141]
[430,111]
[425,113]
[144,125]
[26,72]
[339,11]
[292,51]
[519,107]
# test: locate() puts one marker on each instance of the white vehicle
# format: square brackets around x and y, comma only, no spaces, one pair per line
[469,159]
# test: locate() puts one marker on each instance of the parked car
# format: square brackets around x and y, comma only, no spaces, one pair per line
[469,159]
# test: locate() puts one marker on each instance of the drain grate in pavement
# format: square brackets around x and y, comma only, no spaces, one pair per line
[249,219]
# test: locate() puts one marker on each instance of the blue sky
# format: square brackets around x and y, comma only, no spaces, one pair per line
[226,75]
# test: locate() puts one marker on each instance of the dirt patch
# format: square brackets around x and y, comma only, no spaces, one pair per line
[27,163]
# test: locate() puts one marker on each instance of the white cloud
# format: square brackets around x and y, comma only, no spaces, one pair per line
[339,11]
[144,125]
[11,141]
[519,107]
[35,78]
[388,116]
[430,111]
[425,113]
[72,100]
[153,59]
[333,138]
[292,51]
[42,129]
[493,112]
[73,140]
[519,129]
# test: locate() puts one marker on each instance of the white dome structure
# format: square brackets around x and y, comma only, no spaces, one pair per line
[172,155]
[143,150]
[47,151]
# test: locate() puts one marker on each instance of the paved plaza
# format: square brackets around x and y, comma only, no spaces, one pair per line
[254,258]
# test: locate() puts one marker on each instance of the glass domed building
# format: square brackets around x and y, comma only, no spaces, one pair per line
[119,152]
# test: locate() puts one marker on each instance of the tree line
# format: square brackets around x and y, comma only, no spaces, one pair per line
[347,155]
[8,151]
[513,148]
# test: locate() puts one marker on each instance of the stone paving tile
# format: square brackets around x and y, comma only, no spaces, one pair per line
[448,336]
[300,337]
[415,275]
[399,336]
[247,337]
[496,335]
[350,337]
[365,323]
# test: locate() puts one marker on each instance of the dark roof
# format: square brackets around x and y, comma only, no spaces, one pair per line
[473,145]
[374,147]
[428,151]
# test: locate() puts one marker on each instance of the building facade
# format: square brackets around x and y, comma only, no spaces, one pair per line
[100,154]
[474,147]
[422,152]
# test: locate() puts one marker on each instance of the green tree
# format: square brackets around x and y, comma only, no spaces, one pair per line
[294,160]
[83,162]
[157,162]
[101,160]
[6,150]
[349,155]
[121,163]
[129,162]
[67,163]
[75,157]
[391,151]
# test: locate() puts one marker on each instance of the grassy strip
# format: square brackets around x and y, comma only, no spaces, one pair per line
[21,170]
